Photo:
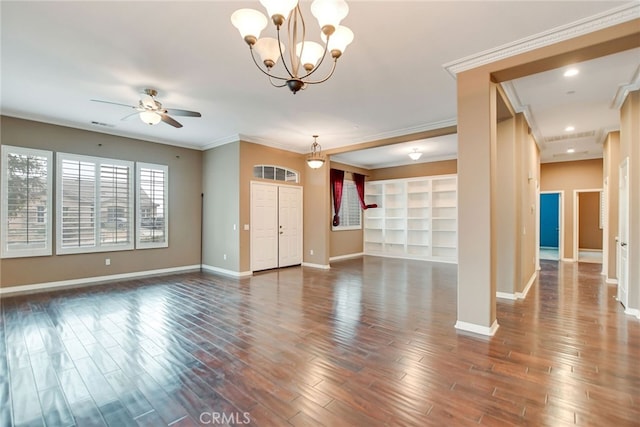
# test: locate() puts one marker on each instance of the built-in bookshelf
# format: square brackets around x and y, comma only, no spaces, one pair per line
[415,218]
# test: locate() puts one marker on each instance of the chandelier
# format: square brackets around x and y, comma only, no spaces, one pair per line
[304,56]
[315,159]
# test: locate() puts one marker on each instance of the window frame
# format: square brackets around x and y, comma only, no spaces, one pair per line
[97,211]
[343,207]
[47,250]
[138,209]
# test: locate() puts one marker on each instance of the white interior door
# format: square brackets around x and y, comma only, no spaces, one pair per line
[264,226]
[623,234]
[290,225]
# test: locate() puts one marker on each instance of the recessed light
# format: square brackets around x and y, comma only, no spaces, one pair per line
[569,129]
[571,72]
[571,150]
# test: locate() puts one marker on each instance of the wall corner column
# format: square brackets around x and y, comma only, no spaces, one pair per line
[477,129]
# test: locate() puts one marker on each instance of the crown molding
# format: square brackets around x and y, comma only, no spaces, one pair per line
[516,103]
[593,23]
[411,130]
[623,90]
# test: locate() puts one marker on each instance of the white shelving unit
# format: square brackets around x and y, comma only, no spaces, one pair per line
[415,218]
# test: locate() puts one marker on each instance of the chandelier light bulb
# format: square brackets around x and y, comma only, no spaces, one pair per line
[250,23]
[415,155]
[268,50]
[309,54]
[329,13]
[279,10]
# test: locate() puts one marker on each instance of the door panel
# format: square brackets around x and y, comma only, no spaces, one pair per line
[264,226]
[623,233]
[549,220]
[290,225]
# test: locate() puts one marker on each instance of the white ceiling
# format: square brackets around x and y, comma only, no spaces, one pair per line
[57,56]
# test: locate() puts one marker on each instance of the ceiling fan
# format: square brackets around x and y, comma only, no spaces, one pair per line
[151,110]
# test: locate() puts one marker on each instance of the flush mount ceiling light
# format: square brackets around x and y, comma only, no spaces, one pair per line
[415,155]
[571,150]
[315,159]
[305,56]
[571,72]
[569,129]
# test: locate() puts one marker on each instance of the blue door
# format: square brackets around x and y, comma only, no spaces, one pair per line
[549,217]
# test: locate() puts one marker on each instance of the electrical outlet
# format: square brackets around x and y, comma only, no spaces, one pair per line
[224,256]
[311,252]
[107,261]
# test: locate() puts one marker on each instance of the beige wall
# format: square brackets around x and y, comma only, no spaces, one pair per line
[444,167]
[221,210]
[568,177]
[630,147]
[184,205]
[611,162]
[589,231]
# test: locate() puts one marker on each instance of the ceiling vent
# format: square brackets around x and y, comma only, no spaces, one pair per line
[568,136]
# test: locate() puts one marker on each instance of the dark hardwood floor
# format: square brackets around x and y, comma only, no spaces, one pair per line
[369,342]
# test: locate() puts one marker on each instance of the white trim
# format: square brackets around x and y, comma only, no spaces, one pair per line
[96,280]
[632,312]
[560,223]
[576,219]
[478,329]
[519,295]
[610,281]
[568,260]
[348,256]
[623,90]
[609,18]
[321,266]
[224,271]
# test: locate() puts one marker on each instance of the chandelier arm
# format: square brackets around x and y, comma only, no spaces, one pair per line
[333,68]
[274,83]
[263,71]
[282,54]
[326,47]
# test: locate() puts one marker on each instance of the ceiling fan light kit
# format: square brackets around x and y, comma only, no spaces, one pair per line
[151,112]
[304,56]
[415,154]
[315,159]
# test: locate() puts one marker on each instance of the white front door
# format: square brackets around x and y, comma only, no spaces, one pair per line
[623,234]
[264,226]
[290,225]
[276,226]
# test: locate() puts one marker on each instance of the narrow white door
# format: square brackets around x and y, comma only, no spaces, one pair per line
[264,226]
[290,225]
[623,234]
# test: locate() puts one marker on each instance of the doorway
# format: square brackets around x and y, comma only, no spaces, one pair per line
[276,226]
[550,247]
[589,226]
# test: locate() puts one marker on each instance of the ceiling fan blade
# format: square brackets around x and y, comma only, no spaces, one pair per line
[184,113]
[128,116]
[169,120]
[114,103]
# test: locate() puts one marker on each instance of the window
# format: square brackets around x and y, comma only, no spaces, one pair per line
[275,173]
[152,206]
[26,202]
[350,212]
[94,204]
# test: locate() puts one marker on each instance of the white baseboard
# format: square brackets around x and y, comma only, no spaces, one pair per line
[97,280]
[611,281]
[320,266]
[568,260]
[478,329]
[348,256]
[519,295]
[225,272]
[632,312]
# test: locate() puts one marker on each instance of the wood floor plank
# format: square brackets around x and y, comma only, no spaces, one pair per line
[370,342]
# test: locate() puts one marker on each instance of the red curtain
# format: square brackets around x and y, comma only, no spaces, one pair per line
[337,181]
[359,181]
